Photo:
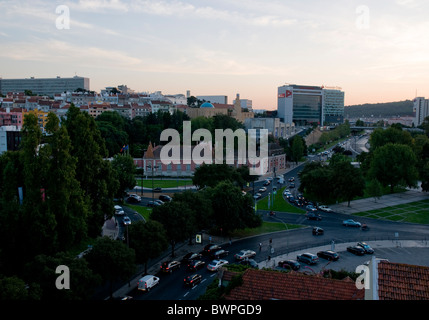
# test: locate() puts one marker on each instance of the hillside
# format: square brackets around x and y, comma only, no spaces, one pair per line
[388,109]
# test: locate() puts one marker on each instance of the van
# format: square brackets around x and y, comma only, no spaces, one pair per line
[147,282]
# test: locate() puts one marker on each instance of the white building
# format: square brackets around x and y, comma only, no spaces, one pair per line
[421,110]
[245,104]
[274,126]
[214,99]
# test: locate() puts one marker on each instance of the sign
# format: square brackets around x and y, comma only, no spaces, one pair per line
[288,93]
[198,238]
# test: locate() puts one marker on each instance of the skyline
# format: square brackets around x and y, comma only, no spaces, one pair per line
[374,52]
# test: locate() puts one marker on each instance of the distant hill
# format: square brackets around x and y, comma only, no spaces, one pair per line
[388,109]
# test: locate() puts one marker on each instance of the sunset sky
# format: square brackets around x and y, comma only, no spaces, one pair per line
[376,51]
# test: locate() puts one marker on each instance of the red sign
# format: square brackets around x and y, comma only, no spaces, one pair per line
[288,93]
[281,95]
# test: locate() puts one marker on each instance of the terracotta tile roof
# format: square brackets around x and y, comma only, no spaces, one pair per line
[399,281]
[268,285]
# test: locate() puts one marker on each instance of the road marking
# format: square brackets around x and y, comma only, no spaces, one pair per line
[186,294]
[203,280]
[212,275]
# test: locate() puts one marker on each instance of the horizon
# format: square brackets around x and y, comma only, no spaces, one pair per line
[375,53]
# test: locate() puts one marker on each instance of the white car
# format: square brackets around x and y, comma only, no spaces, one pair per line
[262,189]
[243,254]
[126,221]
[216,264]
[325,209]
[119,211]
[134,198]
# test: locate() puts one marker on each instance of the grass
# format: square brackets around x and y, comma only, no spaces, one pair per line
[414,212]
[159,183]
[280,204]
[143,211]
[266,227]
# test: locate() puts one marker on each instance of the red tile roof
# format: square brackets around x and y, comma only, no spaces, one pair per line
[268,285]
[399,281]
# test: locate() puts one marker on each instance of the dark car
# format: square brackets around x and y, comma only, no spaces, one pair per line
[359,251]
[192,280]
[134,198]
[313,216]
[191,256]
[169,266]
[289,264]
[153,204]
[328,255]
[216,254]
[267,182]
[158,189]
[194,265]
[317,231]
[250,262]
[292,185]
[165,198]
[208,249]
[366,247]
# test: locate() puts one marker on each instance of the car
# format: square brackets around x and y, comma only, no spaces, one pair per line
[287,194]
[325,208]
[160,202]
[262,189]
[366,247]
[208,249]
[216,254]
[158,189]
[351,223]
[313,216]
[267,182]
[257,196]
[134,198]
[165,198]
[147,282]
[289,264]
[191,256]
[214,265]
[244,254]
[359,251]
[194,265]
[307,258]
[153,204]
[291,199]
[119,211]
[317,231]
[192,280]
[328,255]
[292,185]
[170,266]
[250,262]
[310,208]
[292,179]
[126,221]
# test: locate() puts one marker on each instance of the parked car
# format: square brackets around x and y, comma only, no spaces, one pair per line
[313,216]
[310,208]
[359,251]
[208,249]
[153,204]
[307,258]
[216,264]
[158,189]
[257,196]
[366,247]
[289,264]
[119,211]
[267,182]
[351,223]
[325,209]
[191,256]
[165,198]
[169,266]
[317,231]
[219,253]
[160,202]
[126,221]
[328,255]
[147,282]
[244,254]
[262,189]
[193,280]
[194,265]
[134,198]
[250,262]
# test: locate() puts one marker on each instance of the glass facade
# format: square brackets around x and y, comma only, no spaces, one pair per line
[307,108]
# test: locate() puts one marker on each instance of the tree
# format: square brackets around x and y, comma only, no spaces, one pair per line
[381,137]
[112,260]
[394,164]
[297,149]
[177,220]
[148,239]
[124,168]
[347,181]
[314,179]
[13,288]
[374,189]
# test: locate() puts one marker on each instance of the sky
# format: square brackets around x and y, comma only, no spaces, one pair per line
[376,51]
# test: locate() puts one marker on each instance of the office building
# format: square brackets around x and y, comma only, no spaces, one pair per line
[421,110]
[44,86]
[305,105]
[214,99]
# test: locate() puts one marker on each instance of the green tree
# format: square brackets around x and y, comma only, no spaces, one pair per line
[13,289]
[381,137]
[148,239]
[347,181]
[393,165]
[124,168]
[313,181]
[375,189]
[297,149]
[112,260]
